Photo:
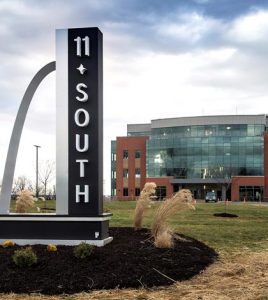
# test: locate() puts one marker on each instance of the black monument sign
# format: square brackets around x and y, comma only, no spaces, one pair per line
[79,214]
[85,121]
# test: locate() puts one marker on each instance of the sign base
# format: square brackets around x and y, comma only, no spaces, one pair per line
[61,230]
[98,243]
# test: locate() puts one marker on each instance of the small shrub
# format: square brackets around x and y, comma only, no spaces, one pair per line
[143,202]
[83,250]
[24,201]
[24,257]
[51,248]
[8,243]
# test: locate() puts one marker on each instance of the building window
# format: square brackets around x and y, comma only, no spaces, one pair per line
[251,193]
[137,173]
[125,173]
[161,192]
[113,156]
[125,154]
[137,192]
[125,191]
[137,154]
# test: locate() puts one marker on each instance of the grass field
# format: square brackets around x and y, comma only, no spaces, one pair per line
[248,231]
[48,206]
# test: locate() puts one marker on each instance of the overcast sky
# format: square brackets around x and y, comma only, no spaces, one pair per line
[162,59]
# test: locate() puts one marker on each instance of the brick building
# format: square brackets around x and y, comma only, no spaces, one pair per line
[224,154]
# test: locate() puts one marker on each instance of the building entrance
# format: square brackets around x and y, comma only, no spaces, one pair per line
[199,191]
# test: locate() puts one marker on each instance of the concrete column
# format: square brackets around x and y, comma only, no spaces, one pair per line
[223,192]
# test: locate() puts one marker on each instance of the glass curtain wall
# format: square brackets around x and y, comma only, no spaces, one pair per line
[210,151]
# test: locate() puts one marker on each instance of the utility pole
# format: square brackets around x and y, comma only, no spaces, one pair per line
[36,187]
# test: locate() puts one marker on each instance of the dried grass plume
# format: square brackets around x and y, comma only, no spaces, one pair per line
[24,201]
[143,202]
[163,235]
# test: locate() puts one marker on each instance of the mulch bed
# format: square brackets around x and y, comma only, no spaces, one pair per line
[225,215]
[130,260]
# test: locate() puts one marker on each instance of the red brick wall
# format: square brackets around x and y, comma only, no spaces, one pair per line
[162,181]
[265,135]
[131,144]
[238,181]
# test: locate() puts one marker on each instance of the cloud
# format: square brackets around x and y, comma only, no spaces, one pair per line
[243,64]
[250,28]
[161,59]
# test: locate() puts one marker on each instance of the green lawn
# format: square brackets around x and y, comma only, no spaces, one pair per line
[248,231]
[45,206]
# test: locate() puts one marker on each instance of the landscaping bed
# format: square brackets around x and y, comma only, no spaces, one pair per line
[130,260]
[225,215]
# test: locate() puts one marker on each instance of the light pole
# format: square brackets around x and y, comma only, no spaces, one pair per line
[36,187]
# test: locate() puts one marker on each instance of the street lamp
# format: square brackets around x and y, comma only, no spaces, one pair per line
[36,187]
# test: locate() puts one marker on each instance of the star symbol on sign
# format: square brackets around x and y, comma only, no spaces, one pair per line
[81,69]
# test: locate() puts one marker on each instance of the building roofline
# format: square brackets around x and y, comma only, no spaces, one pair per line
[210,120]
[132,136]
[210,116]
[135,124]
[145,127]
[199,120]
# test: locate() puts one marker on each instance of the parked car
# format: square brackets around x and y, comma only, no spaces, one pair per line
[211,196]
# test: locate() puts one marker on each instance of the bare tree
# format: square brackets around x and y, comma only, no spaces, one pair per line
[46,174]
[223,175]
[54,192]
[22,183]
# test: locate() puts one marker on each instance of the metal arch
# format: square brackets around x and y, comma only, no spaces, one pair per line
[16,135]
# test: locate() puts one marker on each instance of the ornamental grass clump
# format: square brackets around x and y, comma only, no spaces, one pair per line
[24,257]
[8,243]
[51,248]
[163,235]
[24,202]
[143,202]
[83,250]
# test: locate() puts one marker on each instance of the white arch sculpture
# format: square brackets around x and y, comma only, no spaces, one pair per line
[16,135]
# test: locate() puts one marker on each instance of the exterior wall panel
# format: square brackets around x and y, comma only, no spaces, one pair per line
[131,144]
